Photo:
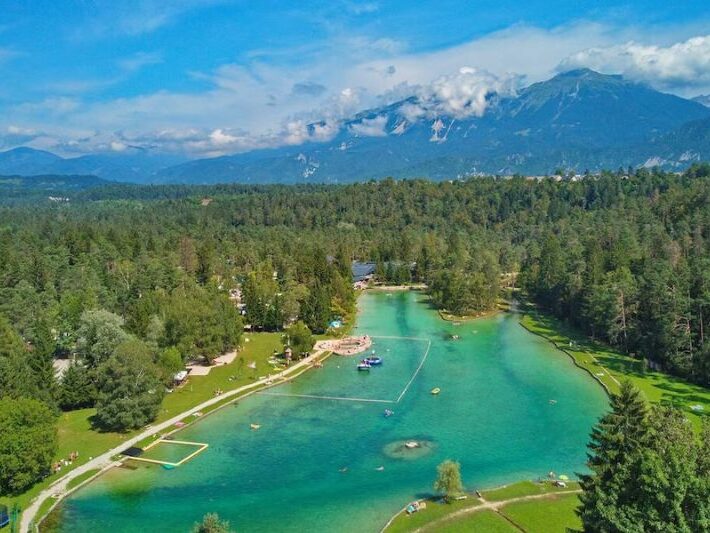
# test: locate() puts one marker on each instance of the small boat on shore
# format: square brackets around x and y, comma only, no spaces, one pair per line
[363,366]
[435,391]
[373,360]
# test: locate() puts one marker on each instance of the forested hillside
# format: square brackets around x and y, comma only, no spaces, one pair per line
[623,256]
[132,278]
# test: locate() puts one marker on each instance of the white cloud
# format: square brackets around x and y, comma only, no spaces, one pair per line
[133,17]
[464,94]
[139,60]
[362,8]
[370,127]
[117,146]
[684,65]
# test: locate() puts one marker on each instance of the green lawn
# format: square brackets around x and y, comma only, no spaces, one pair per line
[75,432]
[553,515]
[83,477]
[435,510]
[607,365]
[524,488]
[479,522]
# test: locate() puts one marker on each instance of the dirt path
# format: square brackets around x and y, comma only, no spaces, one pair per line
[59,489]
[493,506]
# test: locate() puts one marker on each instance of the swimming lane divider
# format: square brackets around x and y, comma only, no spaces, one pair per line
[416,372]
[337,398]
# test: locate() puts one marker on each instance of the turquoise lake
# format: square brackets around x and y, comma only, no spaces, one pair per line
[315,464]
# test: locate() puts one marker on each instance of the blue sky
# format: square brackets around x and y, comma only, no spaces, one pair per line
[206,77]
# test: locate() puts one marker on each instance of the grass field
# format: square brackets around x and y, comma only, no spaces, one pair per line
[479,522]
[552,513]
[434,511]
[76,434]
[524,488]
[612,367]
[83,477]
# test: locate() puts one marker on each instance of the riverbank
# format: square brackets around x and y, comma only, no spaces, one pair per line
[196,396]
[610,367]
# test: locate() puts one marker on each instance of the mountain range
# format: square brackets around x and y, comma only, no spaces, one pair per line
[578,120]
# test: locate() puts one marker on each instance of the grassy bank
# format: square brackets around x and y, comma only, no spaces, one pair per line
[503,509]
[610,367]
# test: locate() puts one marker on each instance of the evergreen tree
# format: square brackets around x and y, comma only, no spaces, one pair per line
[665,474]
[615,442]
[76,389]
[316,309]
[17,378]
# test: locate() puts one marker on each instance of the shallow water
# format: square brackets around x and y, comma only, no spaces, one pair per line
[313,465]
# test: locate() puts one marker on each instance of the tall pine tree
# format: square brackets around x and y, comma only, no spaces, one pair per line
[615,441]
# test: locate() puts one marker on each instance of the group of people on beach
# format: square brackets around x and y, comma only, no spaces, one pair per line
[56,467]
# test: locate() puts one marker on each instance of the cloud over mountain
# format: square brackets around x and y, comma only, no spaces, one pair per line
[681,65]
[464,94]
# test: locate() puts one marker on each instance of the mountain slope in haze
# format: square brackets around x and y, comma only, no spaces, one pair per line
[49,183]
[26,161]
[134,166]
[580,119]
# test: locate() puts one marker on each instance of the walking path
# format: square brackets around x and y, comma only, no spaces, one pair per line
[59,488]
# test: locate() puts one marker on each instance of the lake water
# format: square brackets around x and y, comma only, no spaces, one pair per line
[315,464]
